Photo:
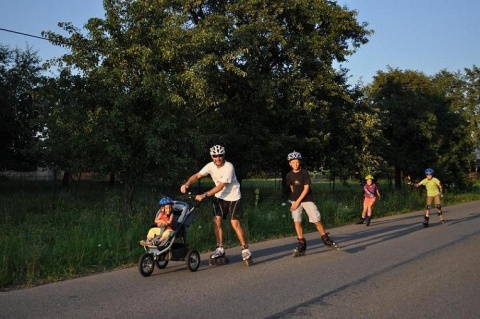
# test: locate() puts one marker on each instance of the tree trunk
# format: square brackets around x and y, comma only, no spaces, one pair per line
[66,179]
[112,179]
[398,178]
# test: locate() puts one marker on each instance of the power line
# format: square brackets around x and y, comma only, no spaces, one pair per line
[25,34]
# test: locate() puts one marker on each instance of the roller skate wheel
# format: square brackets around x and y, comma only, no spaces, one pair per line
[297,253]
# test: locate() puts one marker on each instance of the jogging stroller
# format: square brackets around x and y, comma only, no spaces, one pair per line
[175,247]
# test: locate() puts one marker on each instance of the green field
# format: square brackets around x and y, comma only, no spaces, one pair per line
[49,234]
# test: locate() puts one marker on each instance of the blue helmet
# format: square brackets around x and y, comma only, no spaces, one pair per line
[165,201]
[429,171]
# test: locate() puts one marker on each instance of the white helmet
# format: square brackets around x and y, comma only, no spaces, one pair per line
[294,155]
[217,150]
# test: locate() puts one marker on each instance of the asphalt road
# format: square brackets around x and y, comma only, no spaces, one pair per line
[394,268]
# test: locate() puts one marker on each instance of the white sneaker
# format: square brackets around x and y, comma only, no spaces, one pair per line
[219,252]
[246,254]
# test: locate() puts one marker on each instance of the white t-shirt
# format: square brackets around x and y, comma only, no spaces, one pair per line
[224,174]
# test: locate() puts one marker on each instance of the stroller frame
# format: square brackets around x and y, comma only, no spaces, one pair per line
[175,247]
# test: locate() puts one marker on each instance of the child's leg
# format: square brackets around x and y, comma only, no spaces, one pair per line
[153,231]
[297,221]
[320,228]
[151,234]
[427,211]
[164,236]
[314,216]
[438,205]
[371,201]
[298,229]
[364,211]
[365,208]
[429,205]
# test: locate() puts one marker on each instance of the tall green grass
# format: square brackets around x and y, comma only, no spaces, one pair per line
[49,234]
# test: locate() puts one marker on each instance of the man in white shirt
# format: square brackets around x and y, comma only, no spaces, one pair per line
[226,200]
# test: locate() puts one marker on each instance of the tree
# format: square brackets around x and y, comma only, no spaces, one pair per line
[20,80]
[459,126]
[131,109]
[247,74]
[422,123]
[472,101]
[274,70]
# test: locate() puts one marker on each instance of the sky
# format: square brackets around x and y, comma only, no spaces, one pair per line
[421,35]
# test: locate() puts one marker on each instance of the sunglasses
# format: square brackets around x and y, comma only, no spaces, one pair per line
[215,156]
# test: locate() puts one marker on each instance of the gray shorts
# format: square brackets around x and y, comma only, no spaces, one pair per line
[310,208]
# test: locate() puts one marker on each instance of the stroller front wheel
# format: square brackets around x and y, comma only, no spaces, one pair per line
[193,260]
[146,264]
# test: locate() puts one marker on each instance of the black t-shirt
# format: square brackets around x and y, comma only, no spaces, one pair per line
[298,181]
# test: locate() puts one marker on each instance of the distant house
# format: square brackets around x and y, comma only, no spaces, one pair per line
[41,174]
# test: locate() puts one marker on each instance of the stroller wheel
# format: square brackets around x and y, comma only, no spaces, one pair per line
[146,265]
[161,262]
[193,260]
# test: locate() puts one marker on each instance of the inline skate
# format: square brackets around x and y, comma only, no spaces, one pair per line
[361,221]
[425,221]
[218,257]
[301,248]
[247,255]
[368,220]
[329,243]
[440,216]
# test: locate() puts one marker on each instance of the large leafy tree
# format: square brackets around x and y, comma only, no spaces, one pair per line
[472,101]
[69,106]
[176,76]
[272,65]
[131,110]
[458,125]
[408,119]
[423,123]
[20,79]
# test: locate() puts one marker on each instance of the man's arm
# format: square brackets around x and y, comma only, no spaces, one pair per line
[211,192]
[191,180]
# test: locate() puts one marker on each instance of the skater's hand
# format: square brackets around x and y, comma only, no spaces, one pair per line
[200,197]
[294,206]
[183,188]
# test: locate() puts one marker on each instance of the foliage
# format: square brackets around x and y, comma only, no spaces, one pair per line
[255,76]
[424,124]
[20,80]
[471,99]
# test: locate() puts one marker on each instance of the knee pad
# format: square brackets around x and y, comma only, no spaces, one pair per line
[428,207]
[438,206]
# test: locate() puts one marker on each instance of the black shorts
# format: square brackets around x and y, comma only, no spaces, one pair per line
[223,208]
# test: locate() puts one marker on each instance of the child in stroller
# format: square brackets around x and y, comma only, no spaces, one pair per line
[162,225]
[173,246]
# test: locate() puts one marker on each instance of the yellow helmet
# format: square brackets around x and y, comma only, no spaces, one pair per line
[369,176]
